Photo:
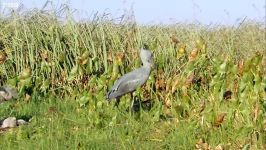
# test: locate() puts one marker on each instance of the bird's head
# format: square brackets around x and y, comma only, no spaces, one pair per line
[147,57]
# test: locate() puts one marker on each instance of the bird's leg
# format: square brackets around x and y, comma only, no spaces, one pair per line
[117,102]
[135,105]
[132,101]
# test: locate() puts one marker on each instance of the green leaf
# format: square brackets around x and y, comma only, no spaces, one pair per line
[84,100]
[73,73]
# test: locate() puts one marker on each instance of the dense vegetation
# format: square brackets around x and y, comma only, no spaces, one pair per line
[208,90]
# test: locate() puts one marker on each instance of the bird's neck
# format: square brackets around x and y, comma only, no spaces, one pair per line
[147,67]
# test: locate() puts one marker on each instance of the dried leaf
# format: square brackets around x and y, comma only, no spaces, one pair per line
[160,84]
[202,106]
[52,110]
[174,84]
[84,61]
[167,111]
[191,79]
[110,55]
[219,120]
[174,39]
[227,95]
[256,111]
[219,147]
[44,55]
[27,98]
[168,85]
[85,55]
[167,101]
[3,57]
[202,145]
[193,55]
[240,66]
[146,92]
[120,57]
[135,54]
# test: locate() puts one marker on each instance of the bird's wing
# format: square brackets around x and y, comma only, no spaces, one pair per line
[124,87]
[130,85]
[132,79]
[127,83]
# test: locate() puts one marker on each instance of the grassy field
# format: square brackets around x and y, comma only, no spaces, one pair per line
[208,90]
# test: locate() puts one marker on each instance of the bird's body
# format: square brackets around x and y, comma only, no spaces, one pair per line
[129,82]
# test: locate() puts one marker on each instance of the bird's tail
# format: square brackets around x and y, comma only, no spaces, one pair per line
[110,95]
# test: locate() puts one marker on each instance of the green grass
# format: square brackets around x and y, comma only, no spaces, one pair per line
[63,70]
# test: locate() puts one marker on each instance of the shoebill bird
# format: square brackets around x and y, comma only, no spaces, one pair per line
[129,82]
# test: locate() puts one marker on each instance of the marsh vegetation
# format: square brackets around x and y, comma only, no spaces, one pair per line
[207,92]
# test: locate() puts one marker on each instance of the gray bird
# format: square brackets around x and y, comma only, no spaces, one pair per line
[129,82]
[7,93]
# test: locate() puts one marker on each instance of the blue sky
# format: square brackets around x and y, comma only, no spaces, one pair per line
[228,12]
